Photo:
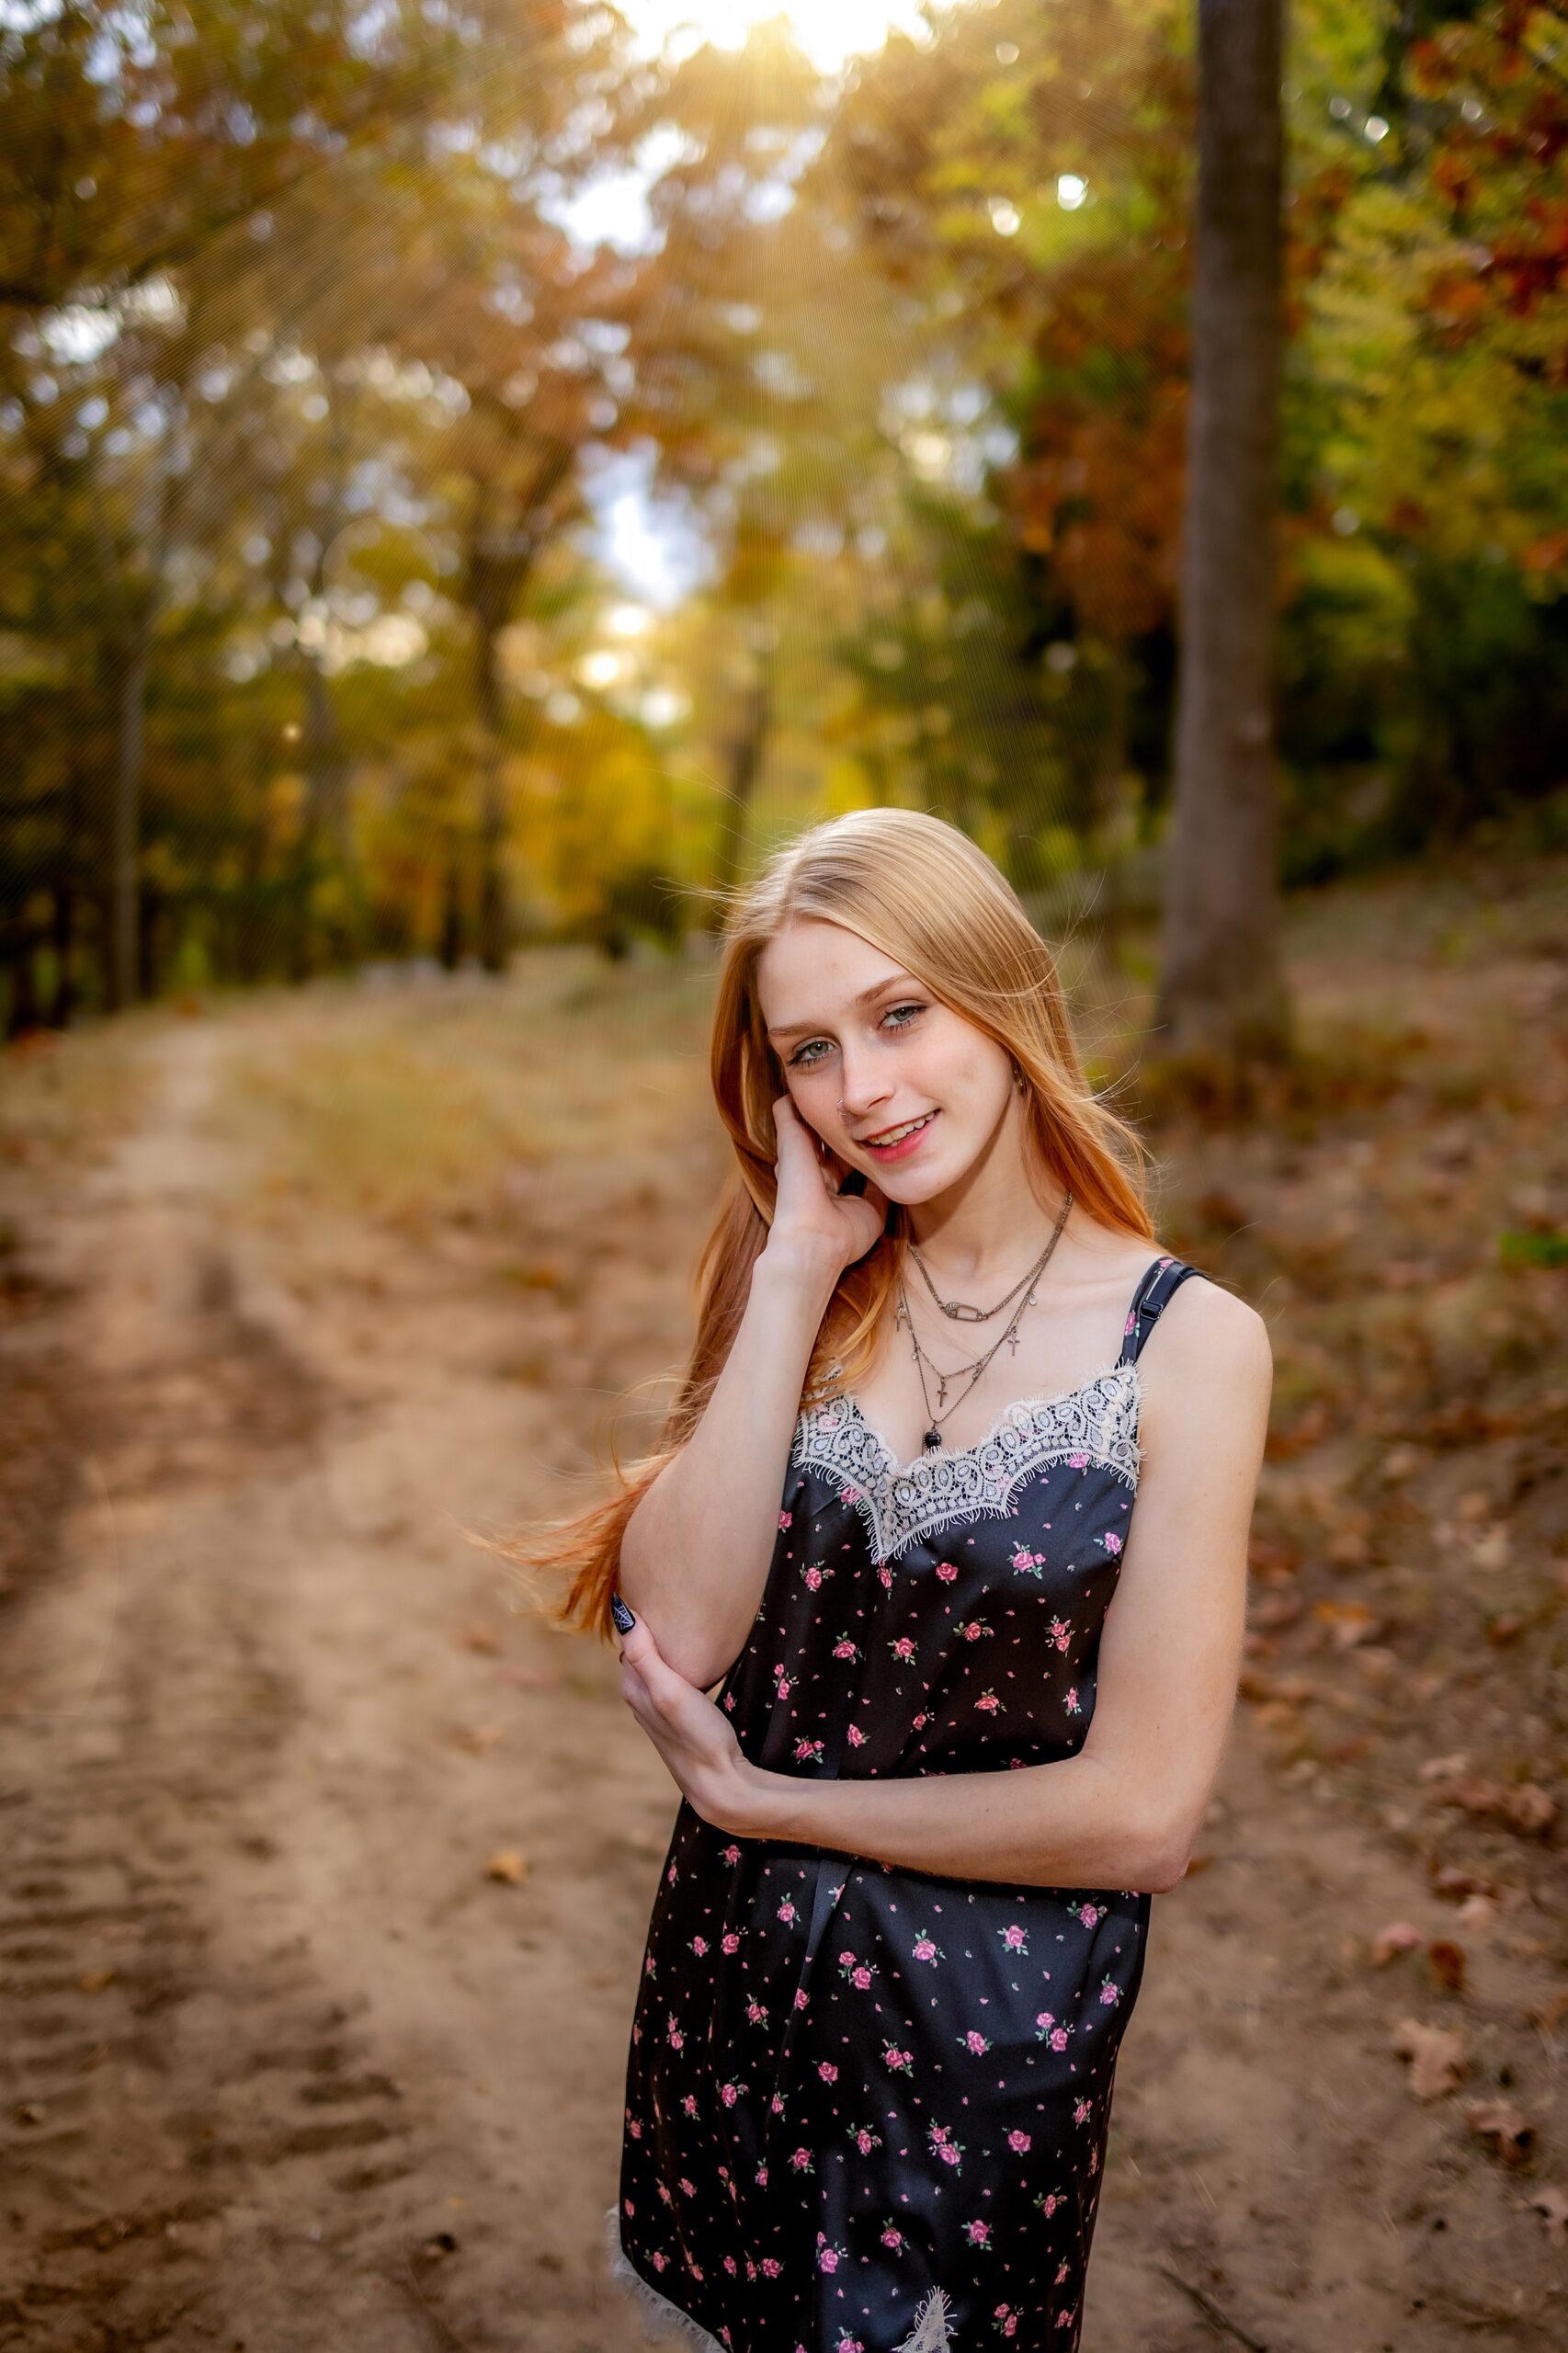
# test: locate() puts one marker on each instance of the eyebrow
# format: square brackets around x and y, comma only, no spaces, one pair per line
[867,997]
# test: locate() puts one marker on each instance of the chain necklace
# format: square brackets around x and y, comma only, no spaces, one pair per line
[958,1309]
[933,1438]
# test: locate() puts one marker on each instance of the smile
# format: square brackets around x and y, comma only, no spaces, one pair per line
[901,1139]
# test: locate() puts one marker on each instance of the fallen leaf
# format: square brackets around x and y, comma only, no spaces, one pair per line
[1522,1806]
[1447,1963]
[1348,1622]
[93,1981]
[1397,1937]
[1438,2055]
[1455,1881]
[506,1864]
[1443,1769]
[1478,1911]
[1554,2205]
[1506,2126]
[477,1738]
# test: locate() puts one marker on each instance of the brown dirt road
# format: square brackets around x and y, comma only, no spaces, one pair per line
[284,2066]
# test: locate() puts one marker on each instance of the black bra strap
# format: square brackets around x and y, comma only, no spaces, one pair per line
[1163,1279]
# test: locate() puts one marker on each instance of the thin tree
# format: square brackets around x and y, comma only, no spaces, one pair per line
[1223,993]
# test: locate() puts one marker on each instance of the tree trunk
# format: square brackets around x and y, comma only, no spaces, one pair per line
[740,784]
[125,822]
[1223,993]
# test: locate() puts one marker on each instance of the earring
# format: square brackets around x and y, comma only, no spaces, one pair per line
[1019,1081]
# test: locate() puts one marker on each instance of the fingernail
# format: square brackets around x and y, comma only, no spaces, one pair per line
[619,1612]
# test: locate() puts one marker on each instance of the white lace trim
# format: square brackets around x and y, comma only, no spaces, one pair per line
[660,2317]
[901,1504]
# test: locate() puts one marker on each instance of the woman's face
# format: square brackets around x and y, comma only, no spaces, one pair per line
[897,1083]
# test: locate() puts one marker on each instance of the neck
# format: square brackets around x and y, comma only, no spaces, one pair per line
[987,1226]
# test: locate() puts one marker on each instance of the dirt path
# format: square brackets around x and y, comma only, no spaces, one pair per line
[285,2065]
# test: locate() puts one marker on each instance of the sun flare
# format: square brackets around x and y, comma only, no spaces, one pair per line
[829,31]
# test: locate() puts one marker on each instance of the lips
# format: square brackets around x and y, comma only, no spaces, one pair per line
[893,1142]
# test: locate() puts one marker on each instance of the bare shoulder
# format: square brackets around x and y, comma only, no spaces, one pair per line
[1209,1356]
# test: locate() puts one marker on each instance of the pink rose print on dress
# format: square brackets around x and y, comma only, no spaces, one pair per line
[827,2071]
[1110,1992]
[787,1913]
[1060,1632]
[844,2343]
[829,2258]
[730,1855]
[943,2145]
[978,2234]
[845,1649]
[801,2162]
[1049,2200]
[729,1941]
[771,2266]
[1081,2110]
[947,1571]
[849,1494]
[1072,1702]
[864,2140]
[903,1648]
[859,1973]
[893,2237]
[813,1577]
[700,1946]
[729,2093]
[1007,2320]
[1111,1541]
[807,1752]
[688,2105]
[1079,1461]
[673,2033]
[756,2012]
[973,1630]
[1063,2268]
[1064,2320]
[856,1737]
[1047,2030]
[925,1948]
[1015,1936]
[1020,2143]
[785,1517]
[990,1704]
[1029,1563]
[901,2061]
[975,2042]
[1087,1912]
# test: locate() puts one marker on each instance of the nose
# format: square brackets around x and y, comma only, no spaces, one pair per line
[865,1088]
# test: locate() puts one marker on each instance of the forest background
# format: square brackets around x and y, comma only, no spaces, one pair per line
[476,475]
[473,475]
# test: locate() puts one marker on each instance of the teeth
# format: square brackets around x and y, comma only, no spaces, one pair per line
[896,1135]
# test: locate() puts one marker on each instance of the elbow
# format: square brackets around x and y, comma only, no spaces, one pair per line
[1164,1857]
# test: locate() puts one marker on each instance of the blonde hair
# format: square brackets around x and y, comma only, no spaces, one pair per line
[923,893]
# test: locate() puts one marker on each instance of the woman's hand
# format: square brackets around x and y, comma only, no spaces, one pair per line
[693,1738]
[812,1217]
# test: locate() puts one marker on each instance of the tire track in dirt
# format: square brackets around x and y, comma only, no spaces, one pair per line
[158,2073]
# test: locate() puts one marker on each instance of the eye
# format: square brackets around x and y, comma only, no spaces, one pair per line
[806,1057]
[900,1016]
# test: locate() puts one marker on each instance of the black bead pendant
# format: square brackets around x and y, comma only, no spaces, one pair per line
[933,1441]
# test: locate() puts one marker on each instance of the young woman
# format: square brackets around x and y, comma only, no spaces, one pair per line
[973,1703]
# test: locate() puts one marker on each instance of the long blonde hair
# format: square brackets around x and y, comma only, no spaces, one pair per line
[922,892]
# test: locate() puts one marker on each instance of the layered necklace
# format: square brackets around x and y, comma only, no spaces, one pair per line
[959,1311]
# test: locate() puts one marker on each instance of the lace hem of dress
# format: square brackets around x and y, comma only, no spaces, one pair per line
[660,2318]
[900,1505]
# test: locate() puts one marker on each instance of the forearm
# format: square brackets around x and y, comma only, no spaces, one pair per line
[696,1553]
[1072,1824]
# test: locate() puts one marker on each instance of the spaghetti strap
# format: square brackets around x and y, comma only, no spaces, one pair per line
[1163,1277]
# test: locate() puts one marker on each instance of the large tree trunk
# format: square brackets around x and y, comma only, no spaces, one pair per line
[1223,991]
[742,769]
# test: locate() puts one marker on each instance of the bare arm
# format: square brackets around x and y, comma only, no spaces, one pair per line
[694,1556]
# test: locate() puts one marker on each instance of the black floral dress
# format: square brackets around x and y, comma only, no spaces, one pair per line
[866,2107]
